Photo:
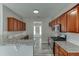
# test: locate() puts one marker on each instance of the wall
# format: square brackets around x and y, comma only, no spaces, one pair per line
[46,31]
[1,22]
[8,12]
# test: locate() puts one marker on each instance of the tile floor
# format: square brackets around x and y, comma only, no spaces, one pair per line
[45,50]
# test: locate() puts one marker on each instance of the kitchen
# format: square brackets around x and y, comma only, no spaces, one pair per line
[39,29]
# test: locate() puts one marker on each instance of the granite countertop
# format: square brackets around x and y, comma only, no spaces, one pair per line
[67,46]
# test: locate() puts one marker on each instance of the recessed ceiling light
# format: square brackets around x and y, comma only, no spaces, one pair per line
[35,11]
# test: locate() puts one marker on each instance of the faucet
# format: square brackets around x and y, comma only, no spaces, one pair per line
[65,36]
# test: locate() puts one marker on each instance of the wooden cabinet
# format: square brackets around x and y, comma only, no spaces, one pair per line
[18,28]
[62,52]
[54,22]
[24,26]
[77,18]
[72,20]
[15,25]
[63,22]
[21,28]
[69,20]
[10,24]
[56,49]
[59,51]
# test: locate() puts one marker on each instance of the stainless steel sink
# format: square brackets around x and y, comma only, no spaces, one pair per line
[58,38]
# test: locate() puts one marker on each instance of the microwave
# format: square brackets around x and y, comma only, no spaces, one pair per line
[56,28]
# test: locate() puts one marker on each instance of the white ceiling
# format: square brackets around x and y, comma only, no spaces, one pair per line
[46,10]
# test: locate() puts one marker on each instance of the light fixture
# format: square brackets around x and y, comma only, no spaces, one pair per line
[35,11]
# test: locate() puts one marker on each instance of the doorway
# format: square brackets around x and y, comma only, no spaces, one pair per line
[37,36]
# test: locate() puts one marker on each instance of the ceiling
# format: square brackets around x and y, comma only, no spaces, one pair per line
[46,10]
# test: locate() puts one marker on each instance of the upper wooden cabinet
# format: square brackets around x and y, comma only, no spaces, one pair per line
[71,20]
[19,24]
[15,25]
[10,24]
[63,21]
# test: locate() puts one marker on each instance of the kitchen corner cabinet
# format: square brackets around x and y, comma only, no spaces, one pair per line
[15,25]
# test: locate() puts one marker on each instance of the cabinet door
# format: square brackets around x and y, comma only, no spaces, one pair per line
[21,26]
[18,25]
[58,20]
[15,24]
[10,24]
[63,22]
[62,52]
[71,20]
[24,26]
[56,49]
[77,19]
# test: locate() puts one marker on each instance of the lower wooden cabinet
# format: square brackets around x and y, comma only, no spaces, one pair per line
[59,51]
[56,50]
[62,52]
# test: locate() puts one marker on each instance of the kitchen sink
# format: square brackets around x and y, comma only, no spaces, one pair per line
[58,38]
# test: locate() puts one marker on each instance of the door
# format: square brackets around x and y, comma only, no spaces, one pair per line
[37,34]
